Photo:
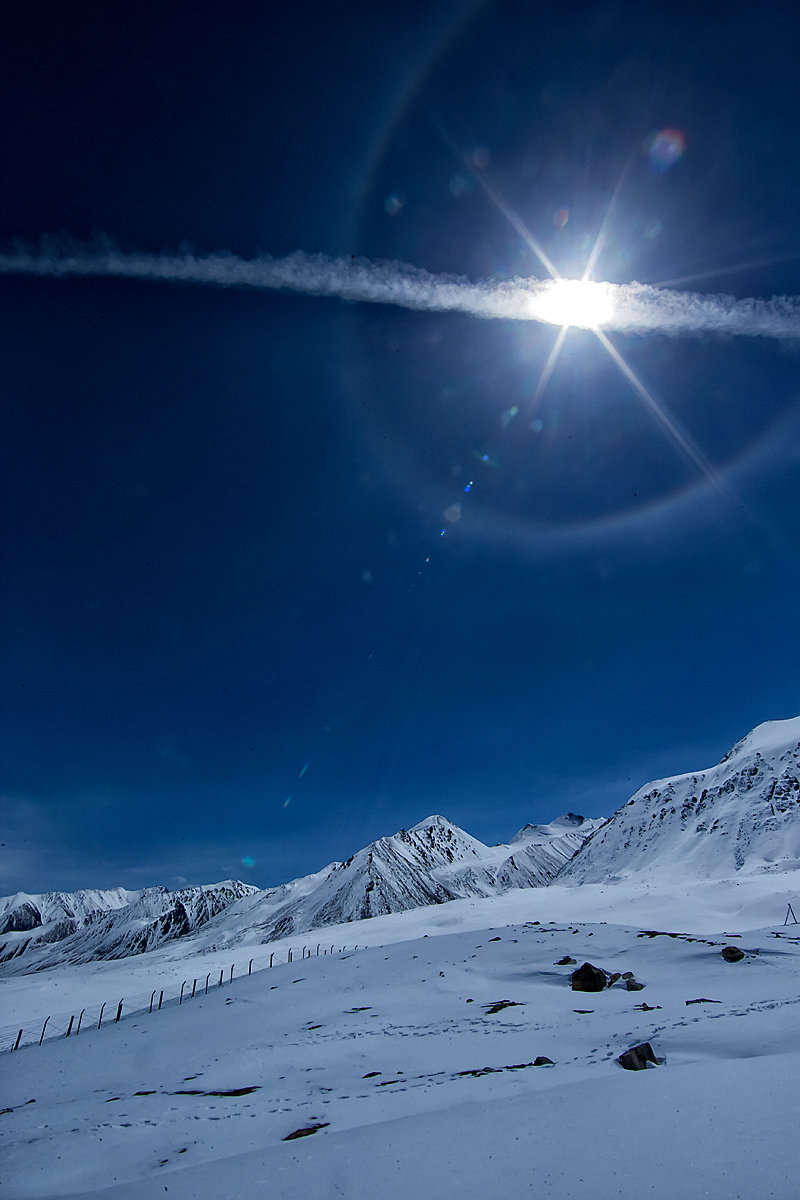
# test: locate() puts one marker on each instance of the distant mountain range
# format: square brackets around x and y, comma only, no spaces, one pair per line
[74,927]
[430,864]
[742,815]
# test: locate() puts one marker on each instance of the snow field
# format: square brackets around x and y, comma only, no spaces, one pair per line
[386,1049]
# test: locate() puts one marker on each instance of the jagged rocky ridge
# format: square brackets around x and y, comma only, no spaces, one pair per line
[430,864]
[40,930]
[742,815]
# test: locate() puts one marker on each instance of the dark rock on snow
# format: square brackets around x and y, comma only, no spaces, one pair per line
[589,978]
[637,1058]
[306,1131]
[732,954]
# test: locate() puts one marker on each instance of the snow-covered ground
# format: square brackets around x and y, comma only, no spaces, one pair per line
[417,1087]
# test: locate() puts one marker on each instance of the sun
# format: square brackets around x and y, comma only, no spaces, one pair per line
[578,302]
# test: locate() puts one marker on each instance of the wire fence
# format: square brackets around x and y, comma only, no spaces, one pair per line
[94,1016]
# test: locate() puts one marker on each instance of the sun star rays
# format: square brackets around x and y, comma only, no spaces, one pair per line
[584,303]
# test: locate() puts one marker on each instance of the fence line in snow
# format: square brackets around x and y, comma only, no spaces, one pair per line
[72,1024]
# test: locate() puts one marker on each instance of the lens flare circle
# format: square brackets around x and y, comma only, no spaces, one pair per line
[578,302]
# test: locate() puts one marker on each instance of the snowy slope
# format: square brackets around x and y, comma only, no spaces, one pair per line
[742,815]
[411,1068]
[73,927]
[432,863]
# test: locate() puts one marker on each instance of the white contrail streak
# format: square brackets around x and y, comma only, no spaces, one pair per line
[636,308]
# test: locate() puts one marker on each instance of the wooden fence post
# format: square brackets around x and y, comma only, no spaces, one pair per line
[69,1027]
[180,998]
[119,1013]
[101,1014]
[16,1043]
[250,968]
[80,1018]
[152,997]
[160,999]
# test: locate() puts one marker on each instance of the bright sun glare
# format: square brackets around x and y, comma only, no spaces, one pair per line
[578,302]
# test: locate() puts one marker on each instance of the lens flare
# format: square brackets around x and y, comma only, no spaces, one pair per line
[578,302]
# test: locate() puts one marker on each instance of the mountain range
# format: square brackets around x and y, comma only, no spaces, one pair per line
[431,863]
[740,816]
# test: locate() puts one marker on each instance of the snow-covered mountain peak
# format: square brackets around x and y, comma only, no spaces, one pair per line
[767,740]
[741,815]
[436,820]
[568,821]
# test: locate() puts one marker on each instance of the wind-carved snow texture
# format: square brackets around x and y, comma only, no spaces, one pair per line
[742,815]
[430,864]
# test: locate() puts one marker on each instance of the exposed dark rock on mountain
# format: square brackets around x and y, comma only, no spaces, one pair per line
[742,815]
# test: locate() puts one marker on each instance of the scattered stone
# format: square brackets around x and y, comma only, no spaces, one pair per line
[613,978]
[732,954]
[589,978]
[566,961]
[495,939]
[627,975]
[542,1060]
[633,985]
[242,1091]
[703,1000]
[649,1007]
[583,1012]
[499,1005]
[370,1074]
[637,1058]
[306,1131]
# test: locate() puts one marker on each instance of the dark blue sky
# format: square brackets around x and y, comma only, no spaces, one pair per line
[232,630]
